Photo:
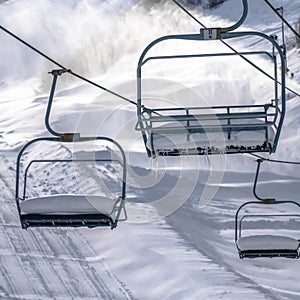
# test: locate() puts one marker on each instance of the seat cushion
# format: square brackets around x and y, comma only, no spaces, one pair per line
[267,242]
[69,204]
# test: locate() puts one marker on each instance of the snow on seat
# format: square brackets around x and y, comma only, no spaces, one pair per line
[268,246]
[66,210]
[69,204]
[63,210]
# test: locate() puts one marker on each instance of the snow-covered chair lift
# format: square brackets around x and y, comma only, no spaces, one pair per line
[161,126]
[64,210]
[266,245]
[69,210]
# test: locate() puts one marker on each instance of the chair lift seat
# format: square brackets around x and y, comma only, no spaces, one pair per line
[165,139]
[268,246]
[66,210]
[249,117]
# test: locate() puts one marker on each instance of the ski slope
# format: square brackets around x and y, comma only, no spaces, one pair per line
[185,252]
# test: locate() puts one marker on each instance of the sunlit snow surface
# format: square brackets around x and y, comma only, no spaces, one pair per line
[189,254]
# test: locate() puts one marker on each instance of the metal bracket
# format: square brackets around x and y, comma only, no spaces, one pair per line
[264,200]
[59,72]
[70,137]
[210,33]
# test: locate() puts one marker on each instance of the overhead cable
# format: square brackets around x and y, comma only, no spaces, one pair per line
[283,19]
[66,69]
[275,160]
[235,51]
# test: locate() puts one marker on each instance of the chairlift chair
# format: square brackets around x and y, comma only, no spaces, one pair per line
[266,245]
[190,125]
[64,210]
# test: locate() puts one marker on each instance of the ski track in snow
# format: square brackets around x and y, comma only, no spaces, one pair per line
[188,229]
[65,264]
[202,230]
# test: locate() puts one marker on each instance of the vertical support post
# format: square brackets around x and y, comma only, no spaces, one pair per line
[283,46]
[259,161]
[228,123]
[188,125]
[55,74]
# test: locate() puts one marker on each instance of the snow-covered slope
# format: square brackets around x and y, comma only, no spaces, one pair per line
[189,253]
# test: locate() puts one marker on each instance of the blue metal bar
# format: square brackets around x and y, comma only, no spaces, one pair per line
[189,117]
[55,74]
[241,20]
[263,216]
[210,108]
[269,55]
[212,128]
[61,161]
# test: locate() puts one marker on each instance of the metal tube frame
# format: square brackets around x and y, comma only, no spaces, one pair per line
[263,216]
[259,161]
[61,161]
[240,21]
[222,36]
[262,201]
[60,140]
[55,74]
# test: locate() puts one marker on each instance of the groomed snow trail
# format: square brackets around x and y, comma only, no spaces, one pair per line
[210,231]
[135,261]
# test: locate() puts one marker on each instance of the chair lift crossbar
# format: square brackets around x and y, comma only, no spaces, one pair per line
[41,214]
[152,121]
[267,118]
[61,161]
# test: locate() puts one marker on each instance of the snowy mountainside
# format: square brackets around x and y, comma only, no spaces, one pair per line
[187,254]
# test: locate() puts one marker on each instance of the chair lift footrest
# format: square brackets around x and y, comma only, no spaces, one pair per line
[79,220]
[269,253]
[212,150]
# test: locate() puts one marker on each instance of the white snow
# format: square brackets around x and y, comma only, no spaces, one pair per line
[190,254]
[69,204]
[267,242]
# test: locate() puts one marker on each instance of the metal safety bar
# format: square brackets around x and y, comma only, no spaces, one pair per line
[266,216]
[238,221]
